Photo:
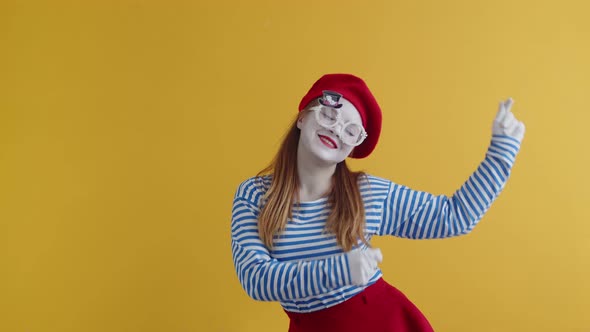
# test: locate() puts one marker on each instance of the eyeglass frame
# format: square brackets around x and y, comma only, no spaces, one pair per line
[317,110]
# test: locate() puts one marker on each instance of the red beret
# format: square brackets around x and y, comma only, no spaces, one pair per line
[355,91]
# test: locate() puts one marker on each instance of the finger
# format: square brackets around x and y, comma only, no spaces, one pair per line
[511,130]
[508,104]
[501,113]
[376,255]
[509,120]
[519,131]
[373,265]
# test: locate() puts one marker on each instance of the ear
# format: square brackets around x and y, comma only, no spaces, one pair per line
[300,122]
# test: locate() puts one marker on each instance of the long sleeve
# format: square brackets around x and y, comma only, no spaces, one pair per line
[420,215]
[267,279]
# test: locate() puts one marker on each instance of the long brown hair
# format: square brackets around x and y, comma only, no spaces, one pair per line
[347,216]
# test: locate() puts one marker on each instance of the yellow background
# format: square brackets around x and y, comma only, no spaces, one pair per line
[126,126]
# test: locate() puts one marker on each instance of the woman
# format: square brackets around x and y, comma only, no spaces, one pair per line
[301,229]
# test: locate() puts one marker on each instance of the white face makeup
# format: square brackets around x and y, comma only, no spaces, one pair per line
[351,133]
[323,143]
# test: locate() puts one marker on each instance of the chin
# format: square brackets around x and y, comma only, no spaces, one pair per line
[322,154]
[330,158]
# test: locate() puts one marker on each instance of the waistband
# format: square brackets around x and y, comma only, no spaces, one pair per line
[362,298]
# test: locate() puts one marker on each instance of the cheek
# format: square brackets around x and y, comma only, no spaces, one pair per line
[312,128]
[347,149]
[308,129]
[305,122]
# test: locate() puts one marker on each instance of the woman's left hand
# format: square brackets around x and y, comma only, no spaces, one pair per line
[505,122]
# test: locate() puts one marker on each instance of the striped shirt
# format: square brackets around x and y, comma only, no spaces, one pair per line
[308,271]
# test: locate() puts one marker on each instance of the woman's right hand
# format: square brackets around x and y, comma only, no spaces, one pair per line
[363,264]
[505,123]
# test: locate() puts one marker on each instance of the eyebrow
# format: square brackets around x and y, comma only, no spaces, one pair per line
[345,120]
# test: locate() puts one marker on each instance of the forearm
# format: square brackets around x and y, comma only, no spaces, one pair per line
[420,215]
[477,194]
[267,279]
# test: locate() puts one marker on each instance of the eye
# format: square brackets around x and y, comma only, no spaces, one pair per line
[328,114]
[353,130]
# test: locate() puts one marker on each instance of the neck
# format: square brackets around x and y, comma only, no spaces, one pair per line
[315,177]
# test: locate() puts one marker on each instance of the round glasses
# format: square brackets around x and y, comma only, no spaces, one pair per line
[350,133]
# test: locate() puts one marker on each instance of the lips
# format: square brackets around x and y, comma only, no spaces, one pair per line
[327,141]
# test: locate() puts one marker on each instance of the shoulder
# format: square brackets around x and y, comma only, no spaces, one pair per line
[374,188]
[370,181]
[252,189]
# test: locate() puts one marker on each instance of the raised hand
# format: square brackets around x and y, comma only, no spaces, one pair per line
[505,122]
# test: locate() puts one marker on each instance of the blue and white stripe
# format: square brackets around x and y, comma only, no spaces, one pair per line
[307,271]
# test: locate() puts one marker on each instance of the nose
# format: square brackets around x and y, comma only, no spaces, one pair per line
[336,129]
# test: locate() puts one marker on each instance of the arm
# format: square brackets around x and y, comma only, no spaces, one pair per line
[419,215]
[267,279]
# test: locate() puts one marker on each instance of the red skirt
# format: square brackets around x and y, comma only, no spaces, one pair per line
[379,308]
